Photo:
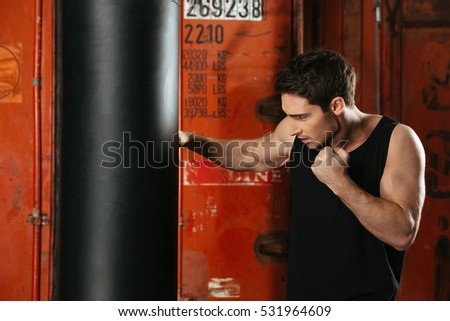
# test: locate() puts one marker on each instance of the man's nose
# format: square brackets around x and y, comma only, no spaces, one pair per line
[294,129]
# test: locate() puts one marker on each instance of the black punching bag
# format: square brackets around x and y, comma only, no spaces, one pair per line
[117,228]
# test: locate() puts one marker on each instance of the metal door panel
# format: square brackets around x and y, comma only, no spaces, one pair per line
[232,225]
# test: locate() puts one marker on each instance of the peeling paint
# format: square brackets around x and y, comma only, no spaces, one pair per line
[211,207]
[198,228]
[224,288]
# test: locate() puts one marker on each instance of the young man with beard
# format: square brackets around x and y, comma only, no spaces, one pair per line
[357,182]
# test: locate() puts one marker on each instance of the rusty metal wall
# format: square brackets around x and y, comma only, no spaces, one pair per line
[348,27]
[26,148]
[232,225]
[417,91]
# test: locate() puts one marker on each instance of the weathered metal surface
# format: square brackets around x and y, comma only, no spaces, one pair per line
[425,104]
[417,92]
[228,68]
[20,278]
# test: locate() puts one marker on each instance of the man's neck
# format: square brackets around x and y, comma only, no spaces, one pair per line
[355,128]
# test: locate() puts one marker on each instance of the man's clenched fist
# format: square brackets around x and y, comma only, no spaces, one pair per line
[330,166]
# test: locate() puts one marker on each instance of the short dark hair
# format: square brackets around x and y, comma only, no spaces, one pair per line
[319,76]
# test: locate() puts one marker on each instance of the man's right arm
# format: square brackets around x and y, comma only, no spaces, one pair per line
[254,155]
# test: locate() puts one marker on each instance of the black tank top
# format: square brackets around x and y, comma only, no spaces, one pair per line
[331,255]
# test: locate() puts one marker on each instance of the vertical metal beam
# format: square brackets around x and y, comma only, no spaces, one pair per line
[37,161]
[377,4]
[298,24]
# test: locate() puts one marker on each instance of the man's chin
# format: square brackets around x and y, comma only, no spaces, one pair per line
[313,145]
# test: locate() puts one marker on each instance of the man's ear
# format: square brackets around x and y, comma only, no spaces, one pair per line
[337,105]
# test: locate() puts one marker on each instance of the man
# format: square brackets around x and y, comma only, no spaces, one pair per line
[357,182]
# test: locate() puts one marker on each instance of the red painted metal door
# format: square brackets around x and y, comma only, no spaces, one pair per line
[232,225]
[417,90]
[26,80]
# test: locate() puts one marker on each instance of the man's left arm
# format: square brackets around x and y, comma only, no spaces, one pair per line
[393,217]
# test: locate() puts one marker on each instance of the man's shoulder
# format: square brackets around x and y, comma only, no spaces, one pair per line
[404,133]
[405,141]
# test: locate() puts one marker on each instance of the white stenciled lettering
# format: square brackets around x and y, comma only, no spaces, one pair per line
[250,10]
